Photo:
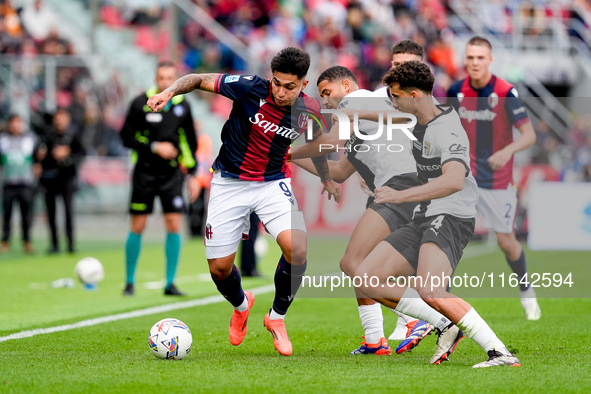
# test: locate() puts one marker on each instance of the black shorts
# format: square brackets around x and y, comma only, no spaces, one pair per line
[450,233]
[145,187]
[397,215]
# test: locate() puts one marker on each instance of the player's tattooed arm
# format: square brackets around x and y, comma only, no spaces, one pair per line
[322,169]
[186,84]
[190,82]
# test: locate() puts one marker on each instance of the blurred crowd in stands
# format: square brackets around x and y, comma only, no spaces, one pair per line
[357,34]
[30,31]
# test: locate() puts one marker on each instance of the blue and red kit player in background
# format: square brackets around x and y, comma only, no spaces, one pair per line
[489,108]
[251,175]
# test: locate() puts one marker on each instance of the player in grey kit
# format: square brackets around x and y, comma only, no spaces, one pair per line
[394,167]
[433,242]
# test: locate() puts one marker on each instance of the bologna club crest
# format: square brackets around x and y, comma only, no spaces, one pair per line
[208,231]
[493,100]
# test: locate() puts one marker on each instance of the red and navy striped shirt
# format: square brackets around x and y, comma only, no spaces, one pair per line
[258,133]
[488,116]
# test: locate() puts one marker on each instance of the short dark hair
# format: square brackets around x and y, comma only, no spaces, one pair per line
[408,75]
[166,63]
[478,40]
[291,60]
[408,46]
[336,73]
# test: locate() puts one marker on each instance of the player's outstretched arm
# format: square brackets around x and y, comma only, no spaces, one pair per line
[321,145]
[186,84]
[451,181]
[379,115]
[340,170]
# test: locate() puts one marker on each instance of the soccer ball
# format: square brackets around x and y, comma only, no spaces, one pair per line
[170,338]
[90,271]
[261,247]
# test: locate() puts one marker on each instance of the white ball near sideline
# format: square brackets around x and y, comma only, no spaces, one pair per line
[90,271]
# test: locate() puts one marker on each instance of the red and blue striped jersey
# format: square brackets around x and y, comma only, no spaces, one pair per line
[258,133]
[488,116]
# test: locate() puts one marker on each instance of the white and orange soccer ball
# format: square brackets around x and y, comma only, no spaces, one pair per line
[170,339]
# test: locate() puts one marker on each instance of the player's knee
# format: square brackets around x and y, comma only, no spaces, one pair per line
[137,228]
[219,272]
[508,244]
[348,266]
[297,253]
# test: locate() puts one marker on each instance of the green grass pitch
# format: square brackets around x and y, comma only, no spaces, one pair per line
[114,357]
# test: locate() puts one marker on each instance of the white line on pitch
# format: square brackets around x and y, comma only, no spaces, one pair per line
[130,315]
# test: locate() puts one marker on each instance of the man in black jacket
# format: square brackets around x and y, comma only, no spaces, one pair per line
[60,155]
[164,146]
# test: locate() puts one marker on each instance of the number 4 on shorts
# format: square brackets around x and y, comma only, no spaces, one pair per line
[437,222]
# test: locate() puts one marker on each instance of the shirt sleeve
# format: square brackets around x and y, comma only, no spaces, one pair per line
[311,111]
[515,110]
[452,97]
[449,145]
[235,87]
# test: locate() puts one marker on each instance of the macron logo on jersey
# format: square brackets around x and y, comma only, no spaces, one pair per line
[267,126]
[469,115]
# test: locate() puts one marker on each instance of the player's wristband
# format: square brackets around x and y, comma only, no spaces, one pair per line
[153,146]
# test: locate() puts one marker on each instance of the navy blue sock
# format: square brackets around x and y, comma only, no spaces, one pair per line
[231,287]
[519,268]
[288,279]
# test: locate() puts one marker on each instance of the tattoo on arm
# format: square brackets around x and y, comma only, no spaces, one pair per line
[321,165]
[190,82]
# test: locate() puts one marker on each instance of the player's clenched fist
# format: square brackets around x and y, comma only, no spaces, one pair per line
[159,101]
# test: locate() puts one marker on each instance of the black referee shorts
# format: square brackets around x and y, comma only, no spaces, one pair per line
[145,187]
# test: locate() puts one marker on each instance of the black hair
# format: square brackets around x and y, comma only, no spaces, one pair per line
[409,75]
[408,46]
[292,61]
[336,73]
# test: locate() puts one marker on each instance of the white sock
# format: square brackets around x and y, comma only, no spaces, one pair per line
[275,316]
[412,304]
[372,321]
[476,329]
[242,307]
[529,293]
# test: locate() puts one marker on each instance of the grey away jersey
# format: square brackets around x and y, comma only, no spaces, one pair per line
[376,160]
[439,141]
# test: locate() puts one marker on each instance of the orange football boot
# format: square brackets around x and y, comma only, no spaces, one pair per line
[238,323]
[280,338]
